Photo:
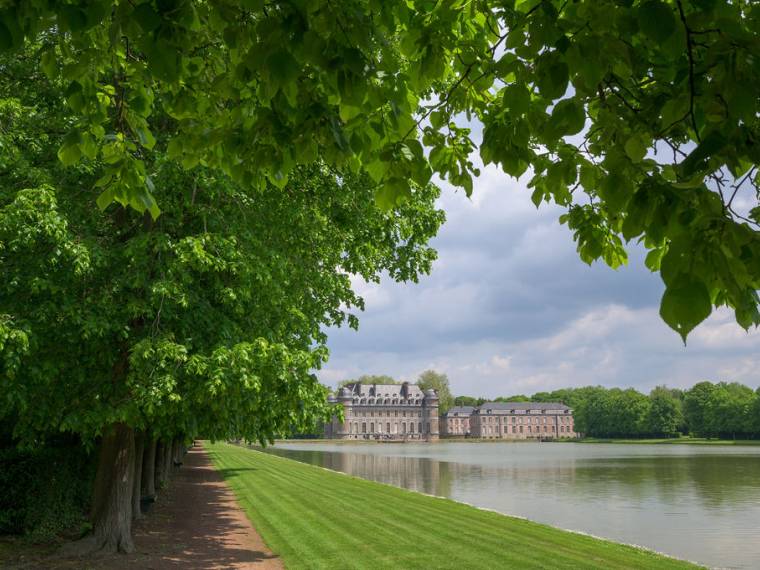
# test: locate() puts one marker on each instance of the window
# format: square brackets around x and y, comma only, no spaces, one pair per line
[411,427]
[372,427]
[395,413]
[364,427]
[388,427]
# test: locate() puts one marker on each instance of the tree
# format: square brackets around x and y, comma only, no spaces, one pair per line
[468,401]
[628,115]
[729,409]
[369,379]
[209,319]
[665,413]
[440,383]
[694,406]
[515,398]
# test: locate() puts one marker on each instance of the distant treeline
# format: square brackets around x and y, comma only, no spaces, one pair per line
[725,410]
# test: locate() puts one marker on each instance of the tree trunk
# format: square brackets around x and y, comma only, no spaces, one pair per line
[177,459]
[149,471]
[160,457]
[168,461]
[111,502]
[137,479]
[163,463]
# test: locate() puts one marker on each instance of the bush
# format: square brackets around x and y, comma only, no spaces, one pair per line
[45,491]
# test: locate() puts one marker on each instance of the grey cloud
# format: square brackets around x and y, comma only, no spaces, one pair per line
[509,307]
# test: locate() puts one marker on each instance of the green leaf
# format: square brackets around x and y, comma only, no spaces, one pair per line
[146,17]
[163,60]
[697,159]
[568,117]
[145,137]
[656,20]
[636,147]
[105,199]
[49,63]
[552,75]
[283,68]
[70,151]
[685,304]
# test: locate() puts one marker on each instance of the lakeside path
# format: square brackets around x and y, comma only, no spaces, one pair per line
[316,518]
[196,524]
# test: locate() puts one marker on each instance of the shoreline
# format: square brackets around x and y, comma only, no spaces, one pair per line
[588,440]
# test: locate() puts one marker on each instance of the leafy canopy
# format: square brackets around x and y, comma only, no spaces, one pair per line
[640,117]
[209,319]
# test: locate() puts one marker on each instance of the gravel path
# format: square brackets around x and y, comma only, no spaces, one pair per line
[196,524]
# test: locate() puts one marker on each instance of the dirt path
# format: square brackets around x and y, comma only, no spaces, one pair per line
[195,524]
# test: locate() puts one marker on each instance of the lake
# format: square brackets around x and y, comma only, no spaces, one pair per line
[700,503]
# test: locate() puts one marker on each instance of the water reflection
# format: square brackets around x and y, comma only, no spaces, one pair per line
[700,504]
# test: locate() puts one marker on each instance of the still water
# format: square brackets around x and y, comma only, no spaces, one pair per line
[701,503]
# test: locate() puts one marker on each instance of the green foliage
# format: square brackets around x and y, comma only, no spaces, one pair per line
[468,401]
[369,379]
[728,412]
[639,118]
[665,413]
[46,490]
[209,319]
[440,383]
[694,405]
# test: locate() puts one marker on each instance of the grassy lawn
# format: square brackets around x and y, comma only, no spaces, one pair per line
[314,518]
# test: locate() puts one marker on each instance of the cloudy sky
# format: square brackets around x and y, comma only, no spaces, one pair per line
[509,308]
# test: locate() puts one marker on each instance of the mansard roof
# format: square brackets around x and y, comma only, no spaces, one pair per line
[507,406]
[460,410]
[405,390]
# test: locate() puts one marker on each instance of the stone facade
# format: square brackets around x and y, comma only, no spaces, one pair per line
[513,420]
[456,421]
[385,412]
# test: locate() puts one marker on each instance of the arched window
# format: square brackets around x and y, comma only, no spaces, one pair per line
[372,427]
[387,401]
[419,427]
[363,401]
[411,427]
[388,427]
[403,427]
[364,427]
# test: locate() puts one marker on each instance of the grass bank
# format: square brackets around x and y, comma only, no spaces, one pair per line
[315,518]
[671,441]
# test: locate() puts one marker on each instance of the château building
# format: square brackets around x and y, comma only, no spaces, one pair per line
[385,412]
[456,421]
[510,420]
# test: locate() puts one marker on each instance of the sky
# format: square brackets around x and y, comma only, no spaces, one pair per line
[509,308]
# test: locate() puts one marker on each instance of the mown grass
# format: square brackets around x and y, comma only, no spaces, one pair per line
[315,518]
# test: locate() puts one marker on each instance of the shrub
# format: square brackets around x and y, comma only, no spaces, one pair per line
[45,491]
